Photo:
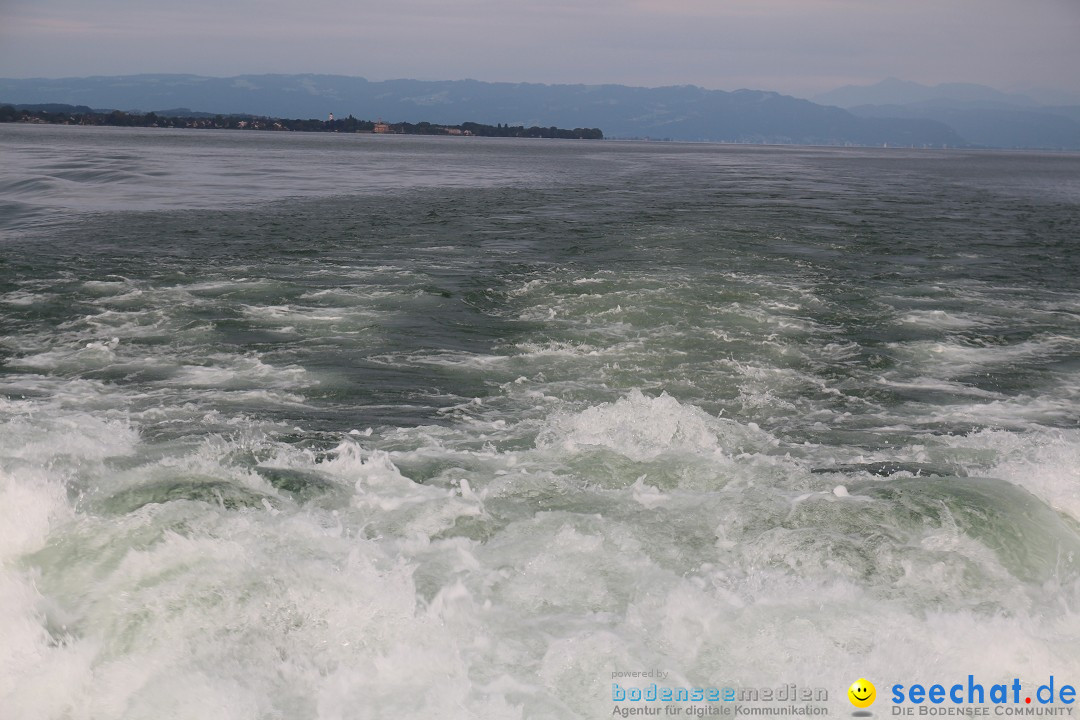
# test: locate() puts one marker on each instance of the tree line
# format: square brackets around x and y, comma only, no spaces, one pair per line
[81,115]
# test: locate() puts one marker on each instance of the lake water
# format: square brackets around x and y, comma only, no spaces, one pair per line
[326,426]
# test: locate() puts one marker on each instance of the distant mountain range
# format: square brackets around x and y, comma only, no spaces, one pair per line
[898,92]
[895,114]
[982,115]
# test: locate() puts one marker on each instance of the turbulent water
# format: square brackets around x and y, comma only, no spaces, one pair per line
[319,426]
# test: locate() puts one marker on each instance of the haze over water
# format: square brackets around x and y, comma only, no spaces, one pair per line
[321,426]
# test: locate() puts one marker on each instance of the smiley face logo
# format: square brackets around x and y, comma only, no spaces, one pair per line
[862,693]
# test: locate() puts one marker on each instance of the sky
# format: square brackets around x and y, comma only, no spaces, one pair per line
[797,47]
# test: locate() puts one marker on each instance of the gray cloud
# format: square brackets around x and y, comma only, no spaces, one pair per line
[795,46]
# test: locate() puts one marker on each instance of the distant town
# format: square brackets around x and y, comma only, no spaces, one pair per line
[80,115]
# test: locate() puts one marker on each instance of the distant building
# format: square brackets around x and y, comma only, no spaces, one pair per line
[383,128]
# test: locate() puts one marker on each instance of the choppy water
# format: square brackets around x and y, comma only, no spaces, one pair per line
[299,426]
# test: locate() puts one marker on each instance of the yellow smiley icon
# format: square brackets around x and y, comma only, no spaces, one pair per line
[862,693]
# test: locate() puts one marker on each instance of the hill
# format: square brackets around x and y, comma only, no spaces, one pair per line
[982,115]
[678,112]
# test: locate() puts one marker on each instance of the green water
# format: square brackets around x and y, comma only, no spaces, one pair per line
[408,427]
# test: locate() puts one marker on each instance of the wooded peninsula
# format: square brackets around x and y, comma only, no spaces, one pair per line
[82,115]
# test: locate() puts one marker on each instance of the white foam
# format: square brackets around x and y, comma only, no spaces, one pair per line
[279,314]
[938,385]
[949,358]
[25,298]
[377,602]
[415,509]
[239,372]
[75,435]
[1022,412]
[942,320]
[31,503]
[648,495]
[1044,462]
[564,349]
[107,287]
[642,428]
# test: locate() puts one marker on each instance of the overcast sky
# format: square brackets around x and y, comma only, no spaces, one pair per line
[798,47]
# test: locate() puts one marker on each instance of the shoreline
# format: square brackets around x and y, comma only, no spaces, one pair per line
[79,115]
